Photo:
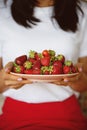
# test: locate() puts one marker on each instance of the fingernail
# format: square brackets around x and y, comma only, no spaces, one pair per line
[65,80]
[19,79]
[80,69]
[6,69]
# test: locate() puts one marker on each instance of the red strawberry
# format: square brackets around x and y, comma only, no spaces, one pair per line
[36,71]
[37,64]
[21,59]
[68,63]
[66,69]
[28,71]
[18,69]
[56,70]
[38,56]
[73,69]
[45,53]
[58,63]
[46,73]
[32,60]
[45,61]
[45,70]
[61,58]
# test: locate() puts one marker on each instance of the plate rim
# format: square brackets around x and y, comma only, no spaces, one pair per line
[39,75]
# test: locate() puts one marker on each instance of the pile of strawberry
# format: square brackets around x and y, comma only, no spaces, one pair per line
[45,63]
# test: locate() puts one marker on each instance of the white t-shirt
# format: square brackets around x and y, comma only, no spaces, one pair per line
[16,40]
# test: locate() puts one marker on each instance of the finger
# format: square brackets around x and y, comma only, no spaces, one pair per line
[16,86]
[26,81]
[8,67]
[61,83]
[12,77]
[13,82]
[72,79]
[80,67]
[18,78]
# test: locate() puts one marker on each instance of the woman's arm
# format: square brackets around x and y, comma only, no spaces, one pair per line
[78,82]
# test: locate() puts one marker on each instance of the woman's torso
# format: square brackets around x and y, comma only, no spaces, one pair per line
[17,40]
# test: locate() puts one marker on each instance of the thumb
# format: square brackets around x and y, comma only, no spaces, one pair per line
[79,67]
[8,67]
[82,67]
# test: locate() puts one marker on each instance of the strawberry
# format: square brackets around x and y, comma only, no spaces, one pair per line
[68,63]
[45,70]
[52,52]
[58,63]
[21,59]
[28,71]
[27,64]
[56,70]
[37,64]
[36,71]
[73,69]
[18,69]
[52,59]
[67,69]
[45,53]
[32,60]
[32,54]
[38,56]
[45,61]
[61,58]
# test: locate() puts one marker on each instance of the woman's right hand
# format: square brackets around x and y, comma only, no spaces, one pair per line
[8,80]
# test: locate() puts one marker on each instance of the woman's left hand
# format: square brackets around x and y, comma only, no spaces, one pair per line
[78,82]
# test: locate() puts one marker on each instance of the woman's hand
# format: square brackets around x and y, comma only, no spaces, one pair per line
[10,81]
[78,82]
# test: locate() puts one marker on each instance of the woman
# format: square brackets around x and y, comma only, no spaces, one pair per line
[38,25]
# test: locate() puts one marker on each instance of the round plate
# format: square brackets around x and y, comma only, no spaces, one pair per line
[44,78]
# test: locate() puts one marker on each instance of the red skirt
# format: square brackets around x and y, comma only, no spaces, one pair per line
[65,115]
